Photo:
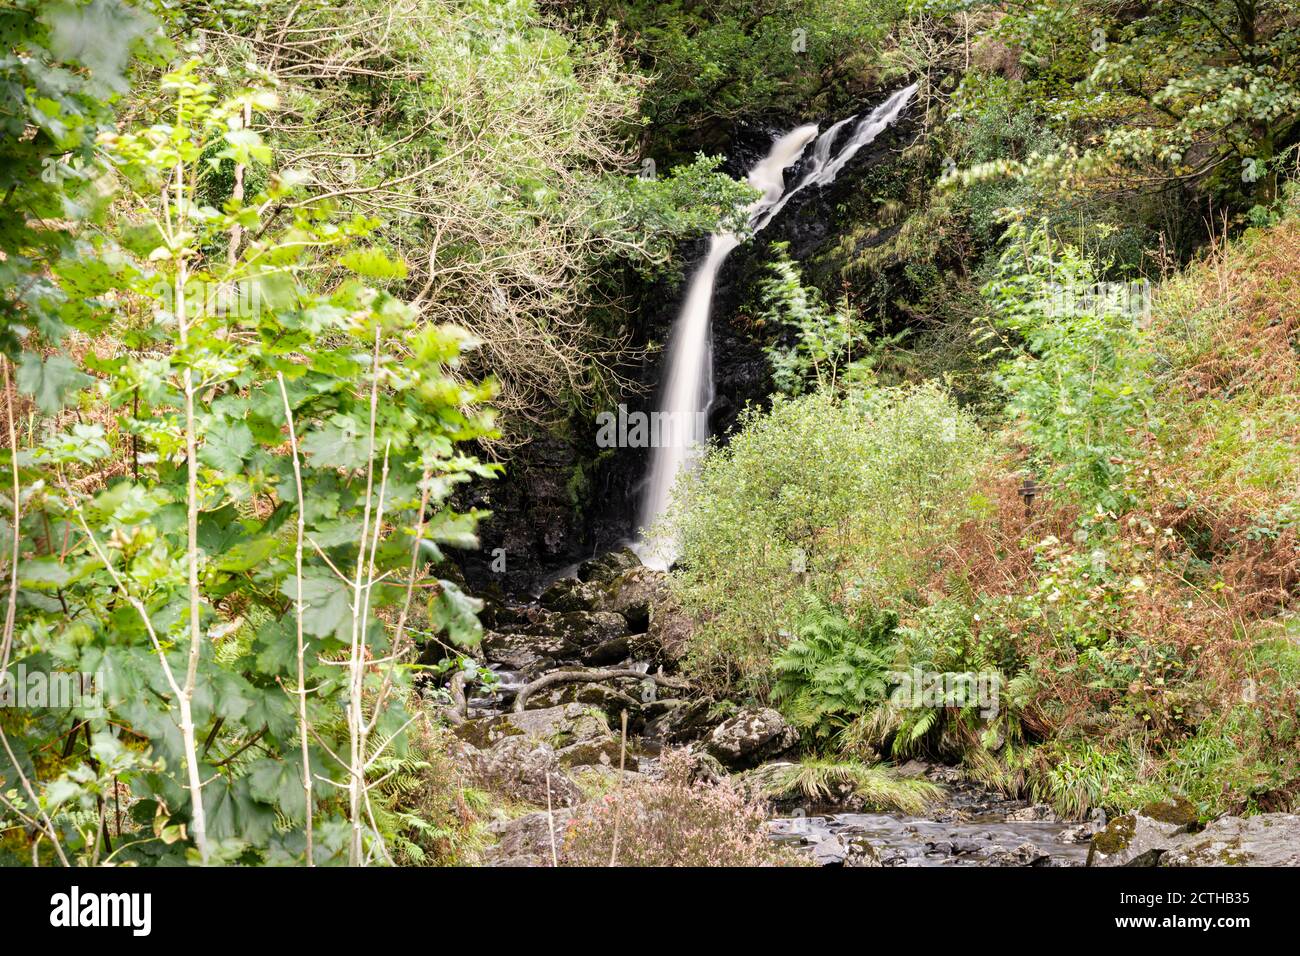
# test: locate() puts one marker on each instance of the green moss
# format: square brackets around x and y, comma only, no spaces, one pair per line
[1116,837]
[1177,810]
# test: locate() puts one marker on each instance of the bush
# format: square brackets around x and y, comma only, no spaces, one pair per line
[842,498]
[1076,377]
[673,822]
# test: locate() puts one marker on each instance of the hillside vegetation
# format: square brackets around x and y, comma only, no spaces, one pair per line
[285,285]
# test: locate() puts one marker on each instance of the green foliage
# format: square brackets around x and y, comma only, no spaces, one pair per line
[1203,93]
[63,68]
[833,670]
[491,136]
[823,340]
[841,497]
[187,478]
[724,60]
[1075,374]
[649,215]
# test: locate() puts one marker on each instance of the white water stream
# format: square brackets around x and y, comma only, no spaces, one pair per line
[687,389]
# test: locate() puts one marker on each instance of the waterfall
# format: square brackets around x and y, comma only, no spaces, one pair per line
[687,389]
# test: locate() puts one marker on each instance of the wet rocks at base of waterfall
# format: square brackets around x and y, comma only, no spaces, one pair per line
[751,736]
[586,629]
[525,653]
[634,593]
[672,721]
[607,652]
[604,568]
[570,594]
[528,755]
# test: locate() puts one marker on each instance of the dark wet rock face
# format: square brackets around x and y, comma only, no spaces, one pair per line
[569,594]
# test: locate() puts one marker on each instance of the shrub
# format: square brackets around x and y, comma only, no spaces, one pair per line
[673,821]
[1075,376]
[842,498]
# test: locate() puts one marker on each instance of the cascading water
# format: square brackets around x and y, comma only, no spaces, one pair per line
[687,390]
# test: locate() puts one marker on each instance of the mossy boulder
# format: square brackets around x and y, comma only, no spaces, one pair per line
[750,737]
[557,726]
[582,629]
[608,699]
[606,567]
[602,752]
[1269,839]
[634,594]
[1142,837]
[1176,810]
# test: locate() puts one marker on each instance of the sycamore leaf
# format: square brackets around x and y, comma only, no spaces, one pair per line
[337,444]
[247,554]
[226,445]
[50,382]
[279,783]
[328,607]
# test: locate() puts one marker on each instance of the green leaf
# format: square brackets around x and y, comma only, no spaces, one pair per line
[279,782]
[50,382]
[247,554]
[457,613]
[226,445]
[337,445]
[327,602]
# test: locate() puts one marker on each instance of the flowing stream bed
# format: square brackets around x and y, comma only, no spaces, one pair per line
[972,827]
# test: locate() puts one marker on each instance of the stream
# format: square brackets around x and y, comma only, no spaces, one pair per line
[971,827]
